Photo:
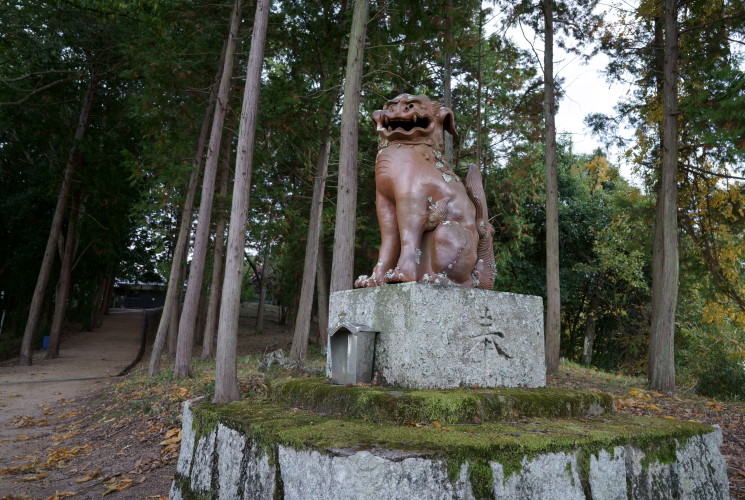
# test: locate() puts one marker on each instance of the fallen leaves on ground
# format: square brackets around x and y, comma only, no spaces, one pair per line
[715,406]
[113,485]
[59,456]
[59,495]
[24,421]
[34,477]
[88,477]
[171,443]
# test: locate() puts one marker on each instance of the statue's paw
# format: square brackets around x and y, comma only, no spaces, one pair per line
[436,279]
[398,275]
[365,281]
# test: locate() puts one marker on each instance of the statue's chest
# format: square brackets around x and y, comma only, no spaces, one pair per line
[398,159]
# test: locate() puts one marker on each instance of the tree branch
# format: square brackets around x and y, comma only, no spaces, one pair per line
[703,25]
[697,170]
[34,92]
[38,73]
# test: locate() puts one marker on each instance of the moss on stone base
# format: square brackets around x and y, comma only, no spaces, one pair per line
[451,406]
[510,444]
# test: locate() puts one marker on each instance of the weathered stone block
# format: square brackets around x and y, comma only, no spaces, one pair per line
[439,337]
[230,449]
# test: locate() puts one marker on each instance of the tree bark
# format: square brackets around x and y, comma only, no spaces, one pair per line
[305,306]
[322,298]
[553,293]
[97,312]
[187,322]
[478,92]
[665,252]
[210,327]
[590,326]
[176,314]
[226,379]
[47,262]
[63,289]
[342,266]
[172,303]
[448,75]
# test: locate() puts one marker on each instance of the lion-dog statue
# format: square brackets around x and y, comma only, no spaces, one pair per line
[433,228]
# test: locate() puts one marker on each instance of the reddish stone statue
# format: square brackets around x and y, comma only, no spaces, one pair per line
[433,228]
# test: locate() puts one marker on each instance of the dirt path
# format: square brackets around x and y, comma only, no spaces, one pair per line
[86,364]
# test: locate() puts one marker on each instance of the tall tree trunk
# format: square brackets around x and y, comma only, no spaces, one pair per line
[34,314]
[176,311]
[665,252]
[261,307]
[305,306]
[590,325]
[226,379]
[210,327]
[478,91]
[171,306]
[322,297]
[201,318]
[173,322]
[187,322]
[448,75]
[553,294]
[94,315]
[342,266]
[63,288]
[109,294]
[178,306]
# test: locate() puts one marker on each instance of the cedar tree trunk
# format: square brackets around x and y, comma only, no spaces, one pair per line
[34,313]
[342,266]
[665,252]
[226,379]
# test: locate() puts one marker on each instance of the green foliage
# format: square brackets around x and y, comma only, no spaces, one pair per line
[721,374]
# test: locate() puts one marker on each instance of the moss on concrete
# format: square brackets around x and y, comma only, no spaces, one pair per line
[510,444]
[451,406]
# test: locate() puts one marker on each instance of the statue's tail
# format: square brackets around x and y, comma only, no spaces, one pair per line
[485,270]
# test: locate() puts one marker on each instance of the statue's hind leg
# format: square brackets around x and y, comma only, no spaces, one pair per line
[454,252]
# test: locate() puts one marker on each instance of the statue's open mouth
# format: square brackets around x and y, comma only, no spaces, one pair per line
[406,124]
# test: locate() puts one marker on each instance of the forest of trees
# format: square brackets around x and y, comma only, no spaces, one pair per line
[207,144]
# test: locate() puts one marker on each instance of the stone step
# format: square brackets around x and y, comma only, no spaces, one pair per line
[389,405]
[257,449]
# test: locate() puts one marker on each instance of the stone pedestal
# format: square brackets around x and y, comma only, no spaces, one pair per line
[254,450]
[439,337]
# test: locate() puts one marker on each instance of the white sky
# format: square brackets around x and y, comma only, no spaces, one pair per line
[585,91]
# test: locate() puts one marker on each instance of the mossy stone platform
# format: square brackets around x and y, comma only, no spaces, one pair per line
[262,449]
[390,405]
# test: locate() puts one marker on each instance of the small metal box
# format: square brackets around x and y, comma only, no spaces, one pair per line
[352,353]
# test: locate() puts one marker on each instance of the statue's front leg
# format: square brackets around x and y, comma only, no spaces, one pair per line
[390,244]
[412,218]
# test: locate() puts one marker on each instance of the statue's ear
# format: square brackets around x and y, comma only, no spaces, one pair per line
[448,121]
[376,118]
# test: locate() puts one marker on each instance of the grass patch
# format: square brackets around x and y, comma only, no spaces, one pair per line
[398,406]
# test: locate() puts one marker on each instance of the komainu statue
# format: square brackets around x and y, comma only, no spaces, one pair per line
[433,228]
